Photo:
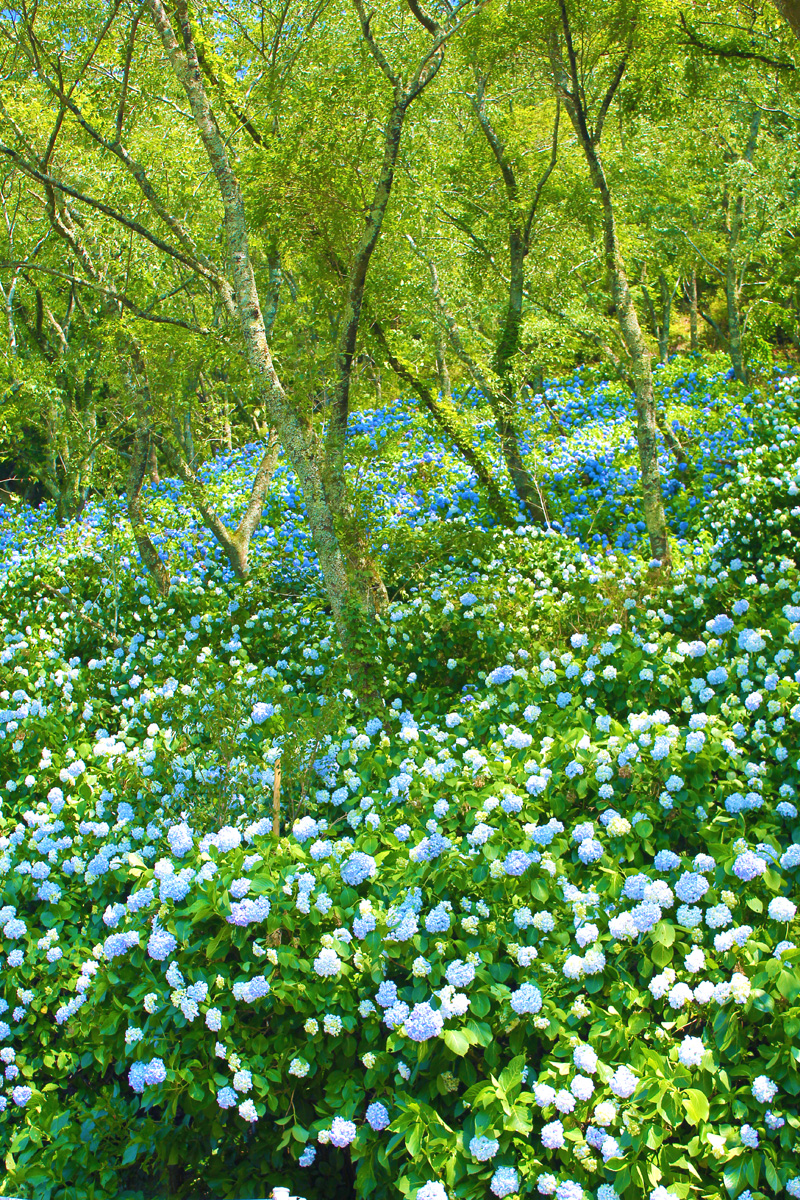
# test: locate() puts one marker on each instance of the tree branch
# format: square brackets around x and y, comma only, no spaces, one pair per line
[731,50]
[128,223]
[547,173]
[117,297]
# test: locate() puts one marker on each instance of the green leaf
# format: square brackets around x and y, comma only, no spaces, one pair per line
[414,1140]
[696,1106]
[733,1177]
[456,1041]
[661,955]
[788,985]
[664,933]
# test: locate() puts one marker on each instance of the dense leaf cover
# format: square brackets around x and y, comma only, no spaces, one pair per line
[529,933]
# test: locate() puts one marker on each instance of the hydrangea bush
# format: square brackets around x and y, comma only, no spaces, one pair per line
[531,932]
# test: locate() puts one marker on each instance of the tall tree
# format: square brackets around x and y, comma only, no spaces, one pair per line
[569,75]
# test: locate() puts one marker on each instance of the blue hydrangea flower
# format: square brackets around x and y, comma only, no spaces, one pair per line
[377,1116]
[749,866]
[526,999]
[423,1023]
[438,920]
[505,1182]
[342,1132]
[460,974]
[483,1148]
[432,1190]
[358,867]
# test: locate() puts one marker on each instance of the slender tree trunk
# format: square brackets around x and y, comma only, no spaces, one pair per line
[138,468]
[503,401]
[227,437]
[674,443]
[650,308]
[152,462]
[666,315]
[136,474]
[447,418]
[641,371]
[234,542]
[646,425]
[734,228]
[445,387]
[660,321]
[694,344]
[734,322]
[502,410]
[8,305]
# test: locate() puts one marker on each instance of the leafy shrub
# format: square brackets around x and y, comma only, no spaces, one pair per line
[532,932]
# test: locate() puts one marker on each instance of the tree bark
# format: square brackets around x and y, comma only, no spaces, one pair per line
[137,468]
[152,462]
[694,345]
[136,473]
[660,321]
[674,443]
[503,400]
[734,226]
[667,294]
[445,386]
[524,484]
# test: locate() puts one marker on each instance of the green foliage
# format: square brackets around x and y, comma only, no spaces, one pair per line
[597,683]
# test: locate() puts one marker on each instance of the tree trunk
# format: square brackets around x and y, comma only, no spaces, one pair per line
[138,467]
[234,542]
[694,344]
[351,592]
[524,483]
[790,10]
[502,410]
[447,418]
[519,225]
[136,473]
[660,321]
[734,322]
[504,403]
[227,437]
[152,462]
[734,228]
[666,314]
[641,372]
[674,444]
[445,387]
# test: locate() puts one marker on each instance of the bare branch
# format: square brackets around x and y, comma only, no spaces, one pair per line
[380,58]
[547,173]
[50,181]
[609,96]
[118,297]
[731,50]
[123,96]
